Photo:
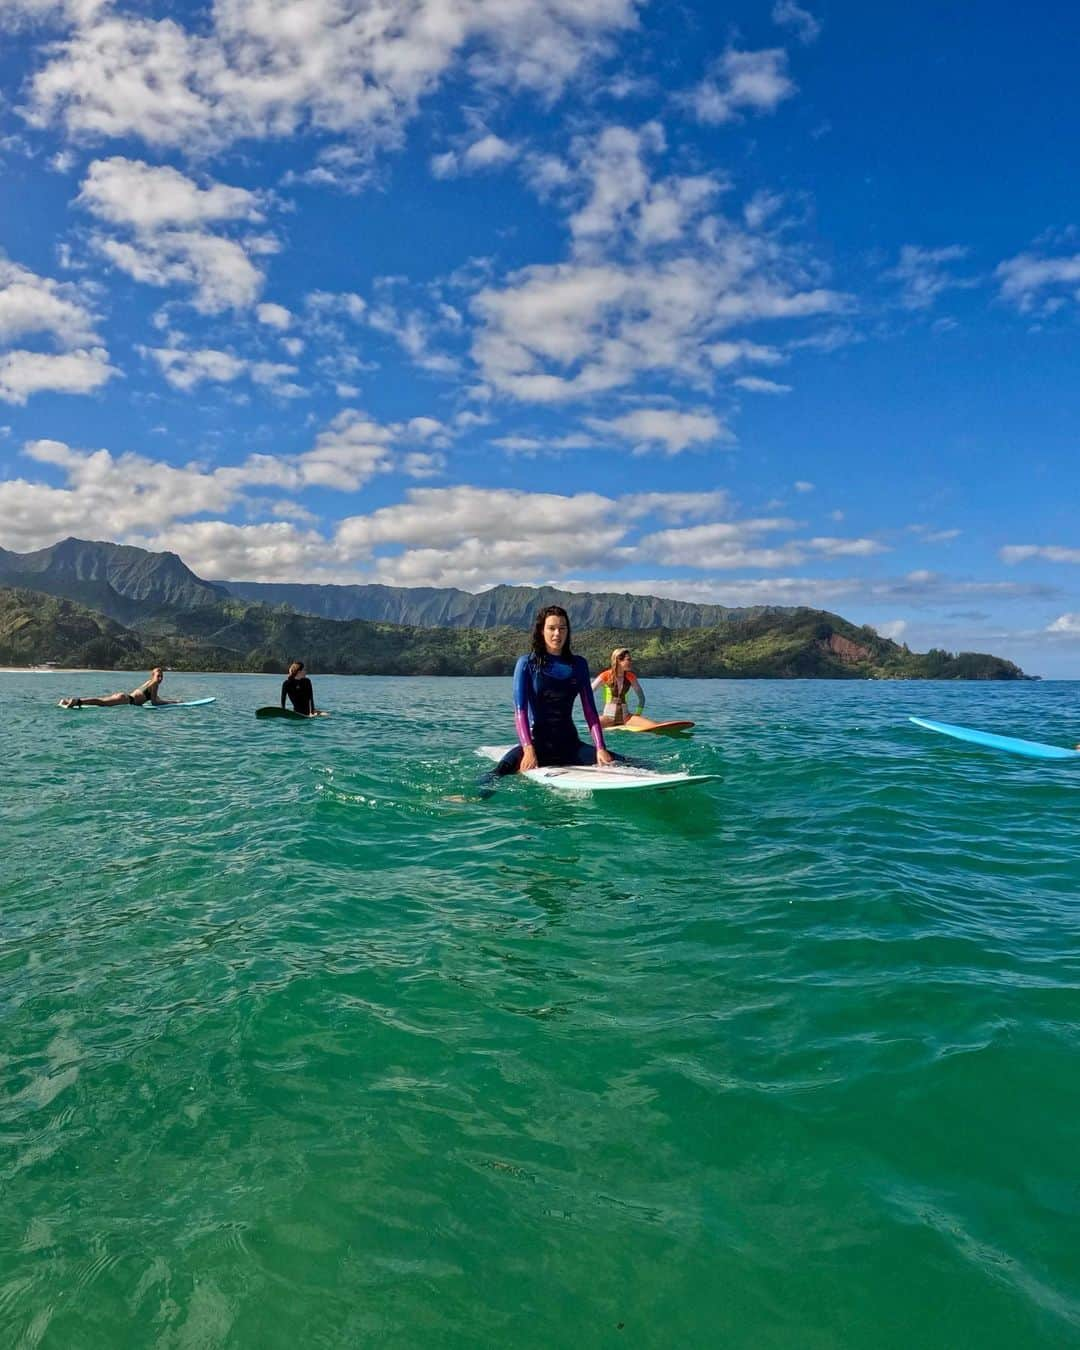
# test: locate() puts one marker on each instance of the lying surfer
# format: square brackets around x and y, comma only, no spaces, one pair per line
[546,683]
[147,692]
[617,682]
[297,689]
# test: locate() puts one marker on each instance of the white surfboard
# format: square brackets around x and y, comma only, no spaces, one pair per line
[600,777]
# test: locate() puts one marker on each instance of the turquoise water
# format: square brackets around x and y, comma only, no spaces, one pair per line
[295,1051]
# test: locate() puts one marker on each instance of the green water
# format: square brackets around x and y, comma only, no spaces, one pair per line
[295,1052]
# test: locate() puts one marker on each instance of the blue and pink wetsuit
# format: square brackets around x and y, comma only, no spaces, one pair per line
[544,694]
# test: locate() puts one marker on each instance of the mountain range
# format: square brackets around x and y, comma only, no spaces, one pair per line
[116,606]
[125,583]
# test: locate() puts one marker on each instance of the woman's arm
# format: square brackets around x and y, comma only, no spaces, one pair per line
[597,684]
[588,707]
[522,692]
[522,701]
[636,687]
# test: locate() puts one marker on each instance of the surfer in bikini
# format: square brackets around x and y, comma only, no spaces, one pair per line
[147,692]
[546,683]
[617,682]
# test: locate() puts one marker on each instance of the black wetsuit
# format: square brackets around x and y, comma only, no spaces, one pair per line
[300,693]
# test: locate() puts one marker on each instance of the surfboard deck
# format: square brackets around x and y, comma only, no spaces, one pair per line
[191,703]
[601,777]
[1013,745]
[264,714]
[658,728]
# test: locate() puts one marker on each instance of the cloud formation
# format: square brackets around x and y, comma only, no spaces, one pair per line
[40,310]
[274,68]
[169,231]
[739,82]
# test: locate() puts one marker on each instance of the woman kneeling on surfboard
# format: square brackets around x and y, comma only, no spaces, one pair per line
[546,683]
[147,692]
[617,682]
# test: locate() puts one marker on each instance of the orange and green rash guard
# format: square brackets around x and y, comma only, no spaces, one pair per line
[613,698]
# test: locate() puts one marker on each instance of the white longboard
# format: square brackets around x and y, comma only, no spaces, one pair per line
[600,777]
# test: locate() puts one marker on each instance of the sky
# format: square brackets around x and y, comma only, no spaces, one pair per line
[742,303]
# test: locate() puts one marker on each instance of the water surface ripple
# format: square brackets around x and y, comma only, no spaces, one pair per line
[304,1044]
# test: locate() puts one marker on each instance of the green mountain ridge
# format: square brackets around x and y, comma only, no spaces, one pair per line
[118,580]
[130,584]
[234,636]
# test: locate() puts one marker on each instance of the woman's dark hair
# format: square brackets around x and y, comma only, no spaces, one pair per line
[539,646]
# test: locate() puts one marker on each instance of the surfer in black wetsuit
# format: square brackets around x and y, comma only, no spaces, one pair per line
[297,689]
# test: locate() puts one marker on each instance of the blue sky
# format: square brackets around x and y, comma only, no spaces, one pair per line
[742,303]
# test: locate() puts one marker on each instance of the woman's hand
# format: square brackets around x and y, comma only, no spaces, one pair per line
[604,757]
[528,759]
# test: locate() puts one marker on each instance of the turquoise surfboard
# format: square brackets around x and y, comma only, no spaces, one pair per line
[1013,745]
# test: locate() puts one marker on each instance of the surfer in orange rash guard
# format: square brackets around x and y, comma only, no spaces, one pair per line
[617,682]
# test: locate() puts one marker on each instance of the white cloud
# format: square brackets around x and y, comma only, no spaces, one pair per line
[846,548]
[346,304]
[565,331]
[1016,553]
[893,629]
[487,152]
[801,485]
[168,217]
[186,368]
[36,307]
[620,196]
[423,464]
[666,428]
[788,14]
[675,506]
[138,495]
[1025,278]
[129,492]
[416,333]
[1068,624]
[271,551]
[274,316]
[724,354]
[348,453]
[761,207]
[720,546]
[148,197]
[742,81]
[31,304]
[754,384]
[23,373]
[348,67]
[924,276]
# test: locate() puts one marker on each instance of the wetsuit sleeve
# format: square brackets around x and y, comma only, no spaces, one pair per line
[588,703]
[522,693]
[284,688]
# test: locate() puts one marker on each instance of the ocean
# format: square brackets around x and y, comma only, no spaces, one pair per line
[303,1044]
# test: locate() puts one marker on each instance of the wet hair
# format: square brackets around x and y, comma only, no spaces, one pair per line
[617,653]
[295,668]
[539,646]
